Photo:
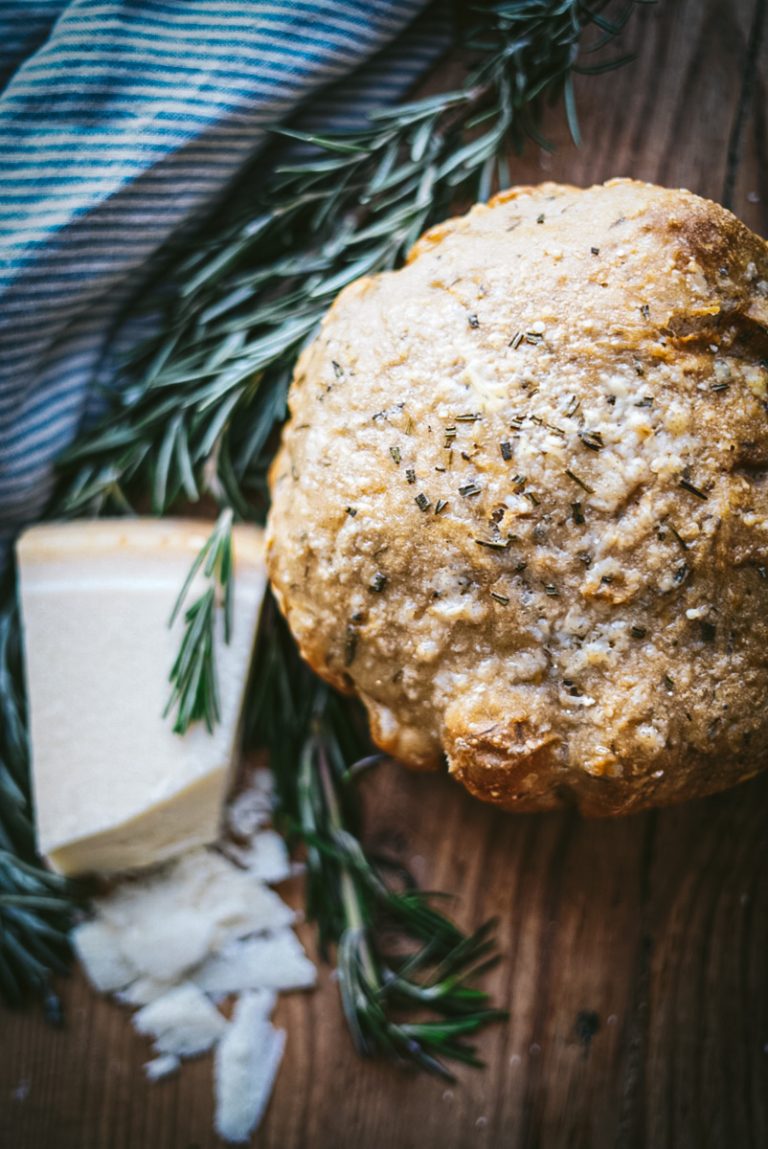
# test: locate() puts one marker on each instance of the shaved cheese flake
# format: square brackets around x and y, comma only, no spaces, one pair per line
[152,896]
[252,808]
[160,1067]
[98,947]
[171,920]
[183,1022]
[143,991]
[265,857]
[246,1064]
[173,945]
[276,961]
[245,906]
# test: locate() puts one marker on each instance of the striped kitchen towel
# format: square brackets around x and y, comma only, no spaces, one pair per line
[120,122]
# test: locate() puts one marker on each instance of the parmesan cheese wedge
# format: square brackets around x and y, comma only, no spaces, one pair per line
[114,787]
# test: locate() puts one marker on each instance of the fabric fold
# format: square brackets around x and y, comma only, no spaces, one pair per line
[129,120]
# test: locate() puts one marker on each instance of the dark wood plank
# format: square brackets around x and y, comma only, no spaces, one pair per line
[634,951]
[745,190]
[669,118]
[707,1063]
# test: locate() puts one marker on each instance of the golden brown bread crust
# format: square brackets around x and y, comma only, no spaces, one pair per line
[521,507]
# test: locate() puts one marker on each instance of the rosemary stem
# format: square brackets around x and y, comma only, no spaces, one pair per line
[350,895]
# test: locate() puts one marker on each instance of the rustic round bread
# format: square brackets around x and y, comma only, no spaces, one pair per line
[521,507]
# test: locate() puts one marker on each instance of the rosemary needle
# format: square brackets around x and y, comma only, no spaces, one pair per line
[195,692]
[36,907]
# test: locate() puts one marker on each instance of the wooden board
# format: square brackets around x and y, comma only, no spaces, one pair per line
[635,952]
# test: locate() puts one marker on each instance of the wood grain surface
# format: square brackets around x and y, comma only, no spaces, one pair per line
[635,951]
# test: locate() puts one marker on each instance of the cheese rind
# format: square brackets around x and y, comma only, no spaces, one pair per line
[114,787]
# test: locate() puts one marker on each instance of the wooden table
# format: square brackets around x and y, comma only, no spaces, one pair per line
[635,952]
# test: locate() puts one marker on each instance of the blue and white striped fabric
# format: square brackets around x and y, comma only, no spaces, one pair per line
[120,121]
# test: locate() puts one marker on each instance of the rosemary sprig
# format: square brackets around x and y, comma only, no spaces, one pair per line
[35,916]
[36,907]
[356,908]
[195,693]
